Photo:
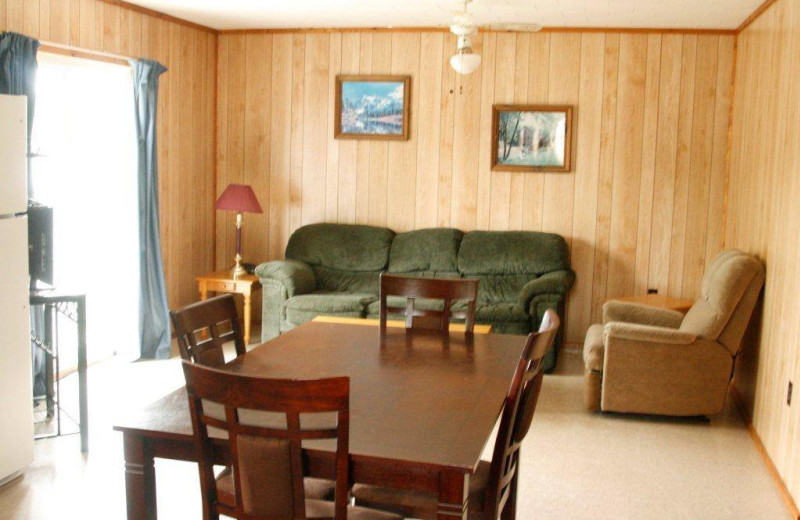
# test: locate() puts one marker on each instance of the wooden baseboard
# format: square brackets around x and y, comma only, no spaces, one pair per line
[784,491]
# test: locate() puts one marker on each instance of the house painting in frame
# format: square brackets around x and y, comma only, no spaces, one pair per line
[531,138]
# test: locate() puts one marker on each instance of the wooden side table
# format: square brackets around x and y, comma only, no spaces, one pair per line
[659,300]
[224,282]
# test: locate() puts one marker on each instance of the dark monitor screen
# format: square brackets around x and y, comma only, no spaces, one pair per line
[40,243]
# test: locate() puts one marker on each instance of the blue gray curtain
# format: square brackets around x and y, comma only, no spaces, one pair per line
[18,70]
[154,330]
[18,77]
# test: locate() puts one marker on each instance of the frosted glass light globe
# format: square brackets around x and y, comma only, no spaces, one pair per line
[465,62]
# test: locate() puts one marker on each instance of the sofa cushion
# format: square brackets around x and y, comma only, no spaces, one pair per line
[512,253]
[341,247]
[306,307]
[501,313]
[502,288]
[425,304]
[426,252]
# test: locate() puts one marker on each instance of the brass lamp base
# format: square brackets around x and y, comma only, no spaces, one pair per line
[238,269]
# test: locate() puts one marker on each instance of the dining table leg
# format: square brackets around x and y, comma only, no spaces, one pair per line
[453,496]
[140,478]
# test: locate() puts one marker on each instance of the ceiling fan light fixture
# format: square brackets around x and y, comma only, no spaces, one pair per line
[464,61]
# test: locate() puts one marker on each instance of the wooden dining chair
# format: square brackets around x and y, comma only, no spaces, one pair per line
[492,487]
[450,290]
[202,329]
[265,480]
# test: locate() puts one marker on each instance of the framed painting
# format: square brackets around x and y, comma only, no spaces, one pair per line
[372,107]
[531,138]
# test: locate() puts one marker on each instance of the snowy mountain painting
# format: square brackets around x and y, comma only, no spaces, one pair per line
[372,108]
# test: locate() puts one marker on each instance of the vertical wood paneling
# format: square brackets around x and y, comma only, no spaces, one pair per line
[466,143]
[606,180]
[185,126]
[682,165]
[280,144]
[665,160]
[315,128]
[348,150]
[538,81]
[762,219]
[635,98]
[402,166]
[587,163]
[379,150]
[428,92]
[559,190]
[627,164]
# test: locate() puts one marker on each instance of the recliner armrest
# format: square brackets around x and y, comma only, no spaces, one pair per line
[646,334]
[630,312]
[297,277]
[556,282]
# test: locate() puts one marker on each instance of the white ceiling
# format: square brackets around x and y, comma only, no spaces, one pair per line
[251,14]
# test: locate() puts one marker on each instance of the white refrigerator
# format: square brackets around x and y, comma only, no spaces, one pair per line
[16,394]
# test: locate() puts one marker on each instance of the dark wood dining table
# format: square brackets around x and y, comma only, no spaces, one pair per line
[422,408]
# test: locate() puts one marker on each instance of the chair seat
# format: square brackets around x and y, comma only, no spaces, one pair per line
[415,504]
[316,488]
[305,307]
[325,509]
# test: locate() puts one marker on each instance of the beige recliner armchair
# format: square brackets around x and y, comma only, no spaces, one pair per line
[648,360]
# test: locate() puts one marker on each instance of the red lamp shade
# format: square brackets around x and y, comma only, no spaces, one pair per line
[239,198]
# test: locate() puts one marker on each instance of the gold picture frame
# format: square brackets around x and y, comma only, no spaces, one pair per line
[532,138]
[372,107]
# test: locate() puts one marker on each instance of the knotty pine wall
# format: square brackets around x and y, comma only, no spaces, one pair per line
[185,113]
[642,208]
[763,218]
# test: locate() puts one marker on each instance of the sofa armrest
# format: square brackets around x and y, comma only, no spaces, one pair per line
[296,277]
[630,312]
[556,282]
[646,334]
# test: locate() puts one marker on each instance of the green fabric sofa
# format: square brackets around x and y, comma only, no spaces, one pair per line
[334,269]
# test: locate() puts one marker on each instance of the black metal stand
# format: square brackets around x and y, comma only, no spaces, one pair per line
[73,307]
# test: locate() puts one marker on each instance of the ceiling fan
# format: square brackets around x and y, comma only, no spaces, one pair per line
[464,61]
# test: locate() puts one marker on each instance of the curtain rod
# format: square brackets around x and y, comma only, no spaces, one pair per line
[76,52]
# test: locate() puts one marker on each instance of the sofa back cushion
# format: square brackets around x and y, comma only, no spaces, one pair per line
[345,258]
[426,252]
[505,261]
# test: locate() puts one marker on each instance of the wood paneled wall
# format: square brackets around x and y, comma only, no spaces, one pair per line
[764,219]
[643,207]
[185,113]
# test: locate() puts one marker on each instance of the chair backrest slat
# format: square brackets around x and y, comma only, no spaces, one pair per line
[518,410]
[200,337]
[267,462]
[449,290]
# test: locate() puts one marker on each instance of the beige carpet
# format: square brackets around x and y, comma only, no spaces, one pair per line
[575,465]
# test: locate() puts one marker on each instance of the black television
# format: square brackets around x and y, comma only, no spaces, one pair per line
[40,243]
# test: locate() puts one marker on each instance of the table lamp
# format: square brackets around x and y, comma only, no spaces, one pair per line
[239,198]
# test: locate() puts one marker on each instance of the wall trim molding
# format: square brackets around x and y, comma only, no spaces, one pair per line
[762,450]
[159,14]
[755,15]
[619,30]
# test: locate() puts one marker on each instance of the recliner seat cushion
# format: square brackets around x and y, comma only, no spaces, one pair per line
[306,307]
